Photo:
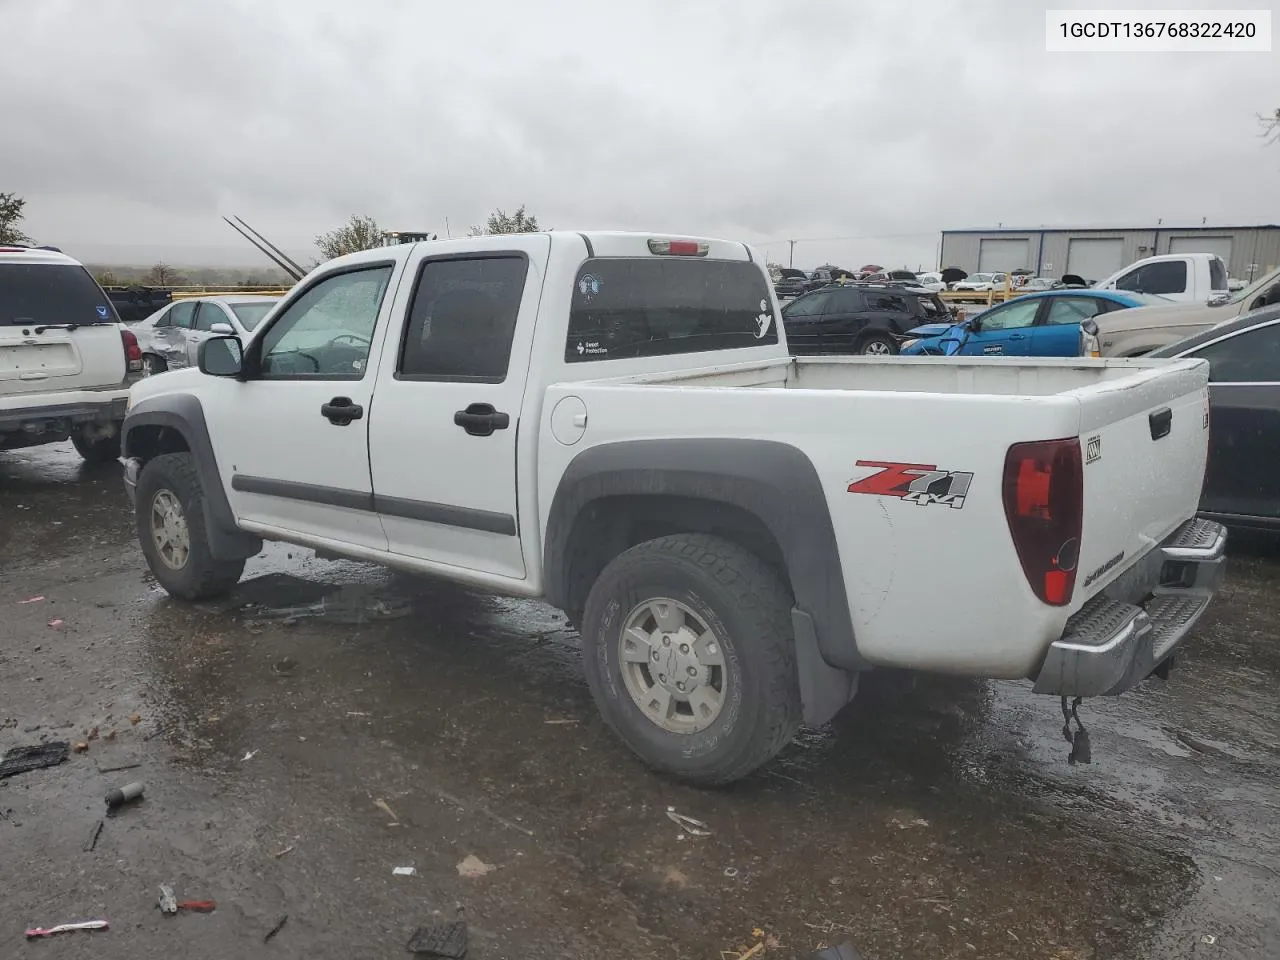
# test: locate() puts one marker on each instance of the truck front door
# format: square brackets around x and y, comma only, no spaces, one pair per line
[292,440]
[443,436]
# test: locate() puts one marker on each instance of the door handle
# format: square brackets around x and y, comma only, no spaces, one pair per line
[341,411]
[480,419]
[1017,336]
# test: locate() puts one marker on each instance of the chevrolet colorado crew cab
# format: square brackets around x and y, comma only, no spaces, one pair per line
[613,422]
[65,357]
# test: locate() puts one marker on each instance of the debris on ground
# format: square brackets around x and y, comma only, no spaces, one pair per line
[556,722]
[386,808]
[92,842]
[404,871]
[285,668]
[694,828]
[31,600]
[908,824]
[80,746]
[440,940]
[67,928]
[846,951]
[1209,939]
[25,759]
[121,795]
[106,765]
[730,872]
[197,906]
[56,622]
[249,756]
[472,866]
[276,929]
[280,853]
[168,900]
[135,719]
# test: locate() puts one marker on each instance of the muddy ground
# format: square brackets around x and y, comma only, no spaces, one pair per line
[363,721]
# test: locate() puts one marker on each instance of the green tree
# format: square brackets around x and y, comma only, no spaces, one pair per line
[502,222]
[10,216]
[358,233]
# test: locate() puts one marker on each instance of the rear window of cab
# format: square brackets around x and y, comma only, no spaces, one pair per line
[651,307]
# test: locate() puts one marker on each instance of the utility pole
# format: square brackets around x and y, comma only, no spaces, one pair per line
[791,260]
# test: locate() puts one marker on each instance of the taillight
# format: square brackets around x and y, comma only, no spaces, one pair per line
[1044,504]
[678,248]
[132,352]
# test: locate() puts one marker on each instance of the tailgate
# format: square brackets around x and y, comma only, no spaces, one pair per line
[88,356]
[1144,441]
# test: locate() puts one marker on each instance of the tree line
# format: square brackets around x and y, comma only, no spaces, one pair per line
[358,233]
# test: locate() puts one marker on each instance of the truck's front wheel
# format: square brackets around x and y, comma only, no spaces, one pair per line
[171,530]
[689,653]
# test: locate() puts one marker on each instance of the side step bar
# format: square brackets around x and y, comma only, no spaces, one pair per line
[1110,646]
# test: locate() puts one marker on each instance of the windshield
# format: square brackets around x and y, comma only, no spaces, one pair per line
[251,314]
[52,293]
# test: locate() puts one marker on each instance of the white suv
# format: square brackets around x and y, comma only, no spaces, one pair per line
[65,357]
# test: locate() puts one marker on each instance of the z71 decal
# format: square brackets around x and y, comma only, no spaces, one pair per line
[919,483]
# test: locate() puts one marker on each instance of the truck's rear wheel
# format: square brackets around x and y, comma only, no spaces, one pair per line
[171,528]
[94,445]
[688,649]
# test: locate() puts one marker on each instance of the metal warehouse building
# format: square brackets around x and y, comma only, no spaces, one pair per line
[1094,253]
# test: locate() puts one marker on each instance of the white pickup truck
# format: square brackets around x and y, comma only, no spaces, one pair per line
[1178,277]
[612,422]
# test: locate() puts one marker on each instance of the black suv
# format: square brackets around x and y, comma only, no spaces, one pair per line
[866,318]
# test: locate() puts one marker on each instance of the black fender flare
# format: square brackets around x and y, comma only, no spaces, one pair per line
[183,414]
[776,482]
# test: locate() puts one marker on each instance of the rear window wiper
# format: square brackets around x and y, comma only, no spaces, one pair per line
[56,326]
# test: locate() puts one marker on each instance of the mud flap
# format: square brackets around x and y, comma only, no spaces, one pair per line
[824,689]
[229,544]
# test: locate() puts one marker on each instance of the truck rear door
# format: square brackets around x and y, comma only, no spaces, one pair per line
[1144,448]
[58,330]
[448,402]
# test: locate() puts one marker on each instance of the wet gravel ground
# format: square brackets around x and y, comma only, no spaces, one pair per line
[333,721]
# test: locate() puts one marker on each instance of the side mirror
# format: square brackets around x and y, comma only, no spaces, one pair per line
[1217,300]
[974,324]
[1090,327]
[221,357]
[223,329]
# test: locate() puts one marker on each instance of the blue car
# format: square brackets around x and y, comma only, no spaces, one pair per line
[1036,325]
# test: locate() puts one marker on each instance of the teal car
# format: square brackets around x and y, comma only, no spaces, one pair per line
[1044,324]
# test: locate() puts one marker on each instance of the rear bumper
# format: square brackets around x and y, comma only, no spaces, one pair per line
[84,408]
[1125,633]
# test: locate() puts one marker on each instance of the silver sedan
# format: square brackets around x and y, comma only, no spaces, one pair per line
[171,336]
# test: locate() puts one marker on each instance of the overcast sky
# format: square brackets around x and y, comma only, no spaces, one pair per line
[131,125]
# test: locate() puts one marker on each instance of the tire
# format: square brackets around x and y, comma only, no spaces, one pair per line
[877,344]
[171,481]
[747,611]
[151,365]
[97,449]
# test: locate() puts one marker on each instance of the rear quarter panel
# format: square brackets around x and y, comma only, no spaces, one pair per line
[931,585]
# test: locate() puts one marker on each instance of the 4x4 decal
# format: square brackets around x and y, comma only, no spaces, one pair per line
[919,483]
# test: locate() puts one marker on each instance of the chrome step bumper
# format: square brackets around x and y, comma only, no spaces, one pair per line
[1122,635]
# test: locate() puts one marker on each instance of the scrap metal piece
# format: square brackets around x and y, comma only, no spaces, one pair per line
[67,928]
[440,940]
[96,832]
[276,929]
[168,901]
[25,759]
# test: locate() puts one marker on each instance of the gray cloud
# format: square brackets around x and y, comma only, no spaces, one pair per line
[130,125]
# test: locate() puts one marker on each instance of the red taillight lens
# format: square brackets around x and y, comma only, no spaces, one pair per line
[1044,505]
[132,352]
